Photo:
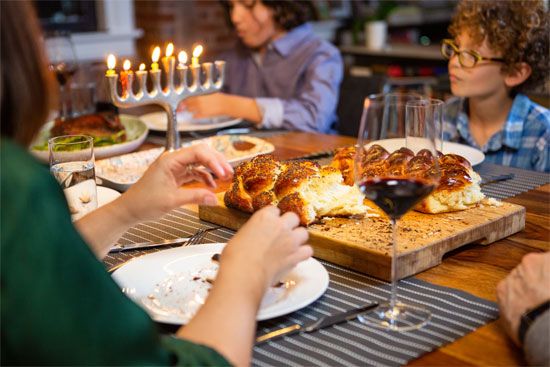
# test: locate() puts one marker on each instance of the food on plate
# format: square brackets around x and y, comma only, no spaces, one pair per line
[458,187]
[305,188]
[236,146]
[104,127]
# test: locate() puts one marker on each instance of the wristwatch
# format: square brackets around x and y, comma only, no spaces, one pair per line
[529,317]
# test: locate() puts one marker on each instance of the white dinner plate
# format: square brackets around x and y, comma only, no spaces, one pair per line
[105,195]
[475,156]
[123,171]
[158,121]
[136,132]
[229,146]
[171,284]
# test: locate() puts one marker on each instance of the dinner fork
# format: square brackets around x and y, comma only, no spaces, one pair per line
[198,237]
[195,239]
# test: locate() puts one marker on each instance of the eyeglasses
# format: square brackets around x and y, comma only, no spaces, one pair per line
[466,58]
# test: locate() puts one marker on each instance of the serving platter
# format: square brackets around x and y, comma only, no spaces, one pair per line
[136,132]
[423,239]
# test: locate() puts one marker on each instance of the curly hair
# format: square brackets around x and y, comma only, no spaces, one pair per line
[288,14]
[518,30]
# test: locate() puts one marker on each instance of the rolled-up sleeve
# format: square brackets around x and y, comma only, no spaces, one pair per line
[313,106]
[272,112]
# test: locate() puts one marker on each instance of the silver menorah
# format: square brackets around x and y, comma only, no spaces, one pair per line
[171,95]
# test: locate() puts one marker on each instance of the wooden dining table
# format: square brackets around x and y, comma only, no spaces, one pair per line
[476,269]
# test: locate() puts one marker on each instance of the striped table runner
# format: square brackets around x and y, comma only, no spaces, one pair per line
[454,313]
[523,180]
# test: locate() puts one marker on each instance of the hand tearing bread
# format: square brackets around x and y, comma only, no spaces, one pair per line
[305,188]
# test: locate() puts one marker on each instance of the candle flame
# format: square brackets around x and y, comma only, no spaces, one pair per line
[127,65]
[141,67]
[197,51]
[111,61]
[182,57]
[169,49]
[156,54]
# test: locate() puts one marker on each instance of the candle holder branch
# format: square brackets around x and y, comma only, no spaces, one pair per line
[170,96]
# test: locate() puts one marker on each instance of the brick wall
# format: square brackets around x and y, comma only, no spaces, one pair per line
[184,22]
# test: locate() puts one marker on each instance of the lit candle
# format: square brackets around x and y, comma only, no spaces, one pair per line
[142,78]
[168,59]
[111,63]
[197,51]
[155,57]
[125,79]
[182,58]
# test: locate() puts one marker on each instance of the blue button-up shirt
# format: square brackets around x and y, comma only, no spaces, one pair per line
[295,84]
[524,142]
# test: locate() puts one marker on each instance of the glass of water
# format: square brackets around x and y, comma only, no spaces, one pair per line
[72,164]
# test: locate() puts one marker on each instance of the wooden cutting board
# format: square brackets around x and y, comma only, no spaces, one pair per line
[365,244]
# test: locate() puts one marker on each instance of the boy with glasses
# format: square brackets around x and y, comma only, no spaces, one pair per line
[499,51]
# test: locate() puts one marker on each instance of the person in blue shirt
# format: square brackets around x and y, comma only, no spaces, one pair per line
[280,75]
[499,51]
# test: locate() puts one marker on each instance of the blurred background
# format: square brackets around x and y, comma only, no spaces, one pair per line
[386,44]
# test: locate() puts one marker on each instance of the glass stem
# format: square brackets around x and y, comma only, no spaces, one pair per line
[62,103]
[393,296]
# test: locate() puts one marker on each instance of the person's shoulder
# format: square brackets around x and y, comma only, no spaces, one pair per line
[537,116]
[22,174]
[324,46]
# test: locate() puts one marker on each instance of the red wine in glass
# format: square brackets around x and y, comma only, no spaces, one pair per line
[63,72]
[395,196]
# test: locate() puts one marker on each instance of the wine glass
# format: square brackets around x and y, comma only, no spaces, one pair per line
[63,63]
[396,167]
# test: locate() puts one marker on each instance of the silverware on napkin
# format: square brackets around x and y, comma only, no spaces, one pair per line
[323,322]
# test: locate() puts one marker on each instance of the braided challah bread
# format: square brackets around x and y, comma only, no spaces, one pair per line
[305,188]
[458,185]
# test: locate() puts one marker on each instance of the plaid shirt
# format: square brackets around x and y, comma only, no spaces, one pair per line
[524,142]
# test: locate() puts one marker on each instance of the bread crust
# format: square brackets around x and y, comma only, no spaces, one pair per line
[294,187]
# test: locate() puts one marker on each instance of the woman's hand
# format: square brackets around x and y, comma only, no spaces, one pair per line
[159,190]
[265,248]
[527,286]
[269,244]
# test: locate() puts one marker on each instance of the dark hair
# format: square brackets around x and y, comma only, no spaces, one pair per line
[288,14]
[26,91]
[518,30]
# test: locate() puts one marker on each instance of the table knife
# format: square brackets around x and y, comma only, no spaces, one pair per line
[496,179]
[323,322]
[140,245]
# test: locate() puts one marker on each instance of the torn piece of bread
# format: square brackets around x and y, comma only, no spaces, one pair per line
[305,188]
[458,187]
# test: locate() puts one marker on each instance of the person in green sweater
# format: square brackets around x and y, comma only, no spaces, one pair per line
[58,304]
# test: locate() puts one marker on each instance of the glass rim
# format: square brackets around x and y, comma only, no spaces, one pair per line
[85,138]
[427,102]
